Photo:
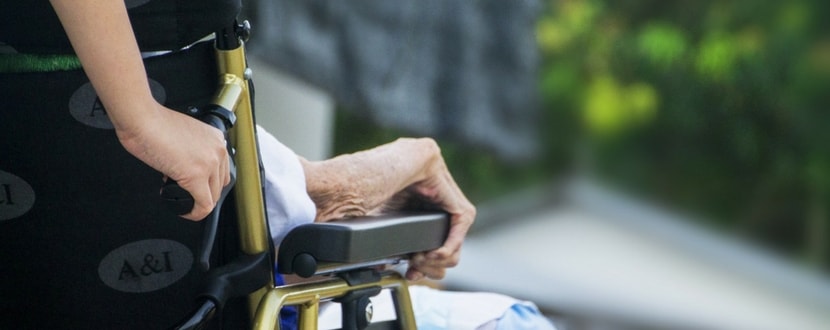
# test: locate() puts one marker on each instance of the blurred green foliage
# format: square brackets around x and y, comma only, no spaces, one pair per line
[716,107]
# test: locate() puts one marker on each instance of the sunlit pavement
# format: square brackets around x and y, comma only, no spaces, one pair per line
[597,260]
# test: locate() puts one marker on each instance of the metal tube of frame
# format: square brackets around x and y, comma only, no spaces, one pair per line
[230,92]
[233,69]
[309,313]
[267,316]
[243,135]
[403,305]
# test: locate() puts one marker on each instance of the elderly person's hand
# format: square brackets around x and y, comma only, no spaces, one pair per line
[390,176]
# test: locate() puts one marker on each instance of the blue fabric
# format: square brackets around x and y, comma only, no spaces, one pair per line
[520,316]
[438,309]
[288,314]
[523,316]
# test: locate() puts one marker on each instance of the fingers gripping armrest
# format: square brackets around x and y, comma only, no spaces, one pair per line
[357,242]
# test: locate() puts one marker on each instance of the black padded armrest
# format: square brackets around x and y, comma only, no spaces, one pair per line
[361,241]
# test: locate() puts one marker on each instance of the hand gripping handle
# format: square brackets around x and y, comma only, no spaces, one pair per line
[181,202]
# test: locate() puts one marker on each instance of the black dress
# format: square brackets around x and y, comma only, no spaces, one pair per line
[85,240]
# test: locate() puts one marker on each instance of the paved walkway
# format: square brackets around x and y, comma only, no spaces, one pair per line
[598,258]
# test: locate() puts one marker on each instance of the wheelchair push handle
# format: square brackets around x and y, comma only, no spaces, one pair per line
[181,202]
[177,198]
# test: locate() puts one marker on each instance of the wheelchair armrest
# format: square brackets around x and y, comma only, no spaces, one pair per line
[351,243]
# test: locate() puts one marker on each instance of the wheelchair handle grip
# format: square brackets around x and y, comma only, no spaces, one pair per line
[181,201]
[176,198]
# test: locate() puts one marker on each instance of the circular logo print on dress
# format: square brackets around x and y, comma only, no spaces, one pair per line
[145,266]
[86,107]
[16,196]
[6,49]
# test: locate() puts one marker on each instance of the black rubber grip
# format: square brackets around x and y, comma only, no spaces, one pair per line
[178,200]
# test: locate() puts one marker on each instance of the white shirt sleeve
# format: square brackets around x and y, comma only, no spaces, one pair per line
[287,203]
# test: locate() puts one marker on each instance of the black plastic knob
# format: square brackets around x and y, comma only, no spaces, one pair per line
[304,265]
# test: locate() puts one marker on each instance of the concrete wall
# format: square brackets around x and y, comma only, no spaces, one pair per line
[298,114]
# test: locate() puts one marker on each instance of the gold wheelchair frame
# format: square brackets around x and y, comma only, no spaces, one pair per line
[265,304]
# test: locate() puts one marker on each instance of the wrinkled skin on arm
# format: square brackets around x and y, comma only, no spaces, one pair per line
[393,176]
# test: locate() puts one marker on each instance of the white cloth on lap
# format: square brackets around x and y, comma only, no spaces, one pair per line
[286,199]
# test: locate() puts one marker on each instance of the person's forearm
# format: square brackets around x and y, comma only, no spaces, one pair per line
[101,34]
[186,150]
[407,169]
[356,184]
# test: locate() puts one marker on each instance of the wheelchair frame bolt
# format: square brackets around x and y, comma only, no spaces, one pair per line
[243,30]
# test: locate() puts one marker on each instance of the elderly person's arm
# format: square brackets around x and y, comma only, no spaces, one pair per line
[370,181]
